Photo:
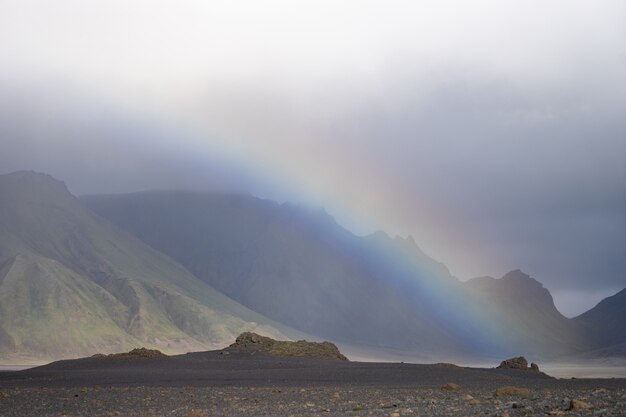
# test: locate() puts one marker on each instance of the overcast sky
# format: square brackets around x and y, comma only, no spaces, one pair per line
[494,131]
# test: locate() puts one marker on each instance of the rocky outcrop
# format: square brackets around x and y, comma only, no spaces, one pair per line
[138,353]
[518,363]
[252,343]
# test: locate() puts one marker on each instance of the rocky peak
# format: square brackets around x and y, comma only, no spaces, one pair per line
[31,178]
[33,186]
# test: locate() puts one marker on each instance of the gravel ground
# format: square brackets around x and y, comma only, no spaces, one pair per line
[210,385]
[301,401]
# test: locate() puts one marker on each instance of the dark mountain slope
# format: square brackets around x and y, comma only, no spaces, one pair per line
[294,265]
[518,308]
[301,268]
[72,284]
[605,325]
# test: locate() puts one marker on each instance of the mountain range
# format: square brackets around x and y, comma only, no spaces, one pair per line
[299,267]
[186,271]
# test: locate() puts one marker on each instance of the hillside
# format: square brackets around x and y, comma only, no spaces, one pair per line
[294,265]
[151,269]
[523,312]
[72,284]
[605,326]
[299,267]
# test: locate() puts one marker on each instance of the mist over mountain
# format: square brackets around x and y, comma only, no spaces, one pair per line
[299,267]
[71,284]
[184,271]
[294,265]
[523,310]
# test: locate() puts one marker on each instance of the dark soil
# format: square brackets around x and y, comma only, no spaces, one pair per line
[215,384]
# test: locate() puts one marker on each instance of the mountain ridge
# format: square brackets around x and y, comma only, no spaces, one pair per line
[274,258]
[282,254]
[143,269]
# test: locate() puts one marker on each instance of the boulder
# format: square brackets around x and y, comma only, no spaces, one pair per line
[512,392]
[579,405]
[450,386]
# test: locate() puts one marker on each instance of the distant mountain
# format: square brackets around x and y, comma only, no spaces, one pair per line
[299,267]
[174,270]
[72,284]
[294,265]
[605,326]
[523,312]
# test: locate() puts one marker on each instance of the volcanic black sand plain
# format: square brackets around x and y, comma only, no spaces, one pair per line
[220,383]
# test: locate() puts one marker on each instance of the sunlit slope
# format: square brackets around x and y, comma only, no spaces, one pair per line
[299,267]
[73,284]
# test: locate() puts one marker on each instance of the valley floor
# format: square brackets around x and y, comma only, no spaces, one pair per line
[210,384]
[322,400]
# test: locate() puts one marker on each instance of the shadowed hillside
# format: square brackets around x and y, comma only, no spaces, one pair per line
[605,325]
[299,267]
[294,265]
[523,310]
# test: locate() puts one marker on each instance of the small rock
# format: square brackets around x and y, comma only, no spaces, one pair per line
[579,405]
[450,386]
[512,392]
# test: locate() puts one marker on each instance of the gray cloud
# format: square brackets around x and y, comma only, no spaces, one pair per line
[95,148]
[529,179]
